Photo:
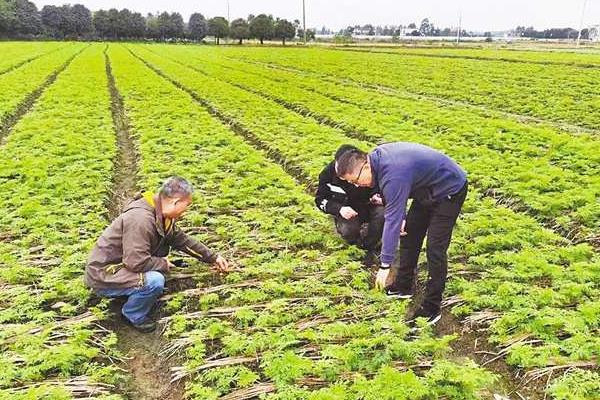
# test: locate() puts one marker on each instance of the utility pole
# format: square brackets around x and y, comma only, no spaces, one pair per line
[459,27]
[228,20]
[304,18]
[581,22]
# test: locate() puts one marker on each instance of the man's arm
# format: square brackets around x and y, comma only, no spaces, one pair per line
[323,199]
[137,256]
[396,195]
[182,242]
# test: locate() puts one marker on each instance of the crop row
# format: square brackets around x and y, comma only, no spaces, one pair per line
[17,84]
[55,174]
[554,175]
[556,93]
[539,293]
[18,53]
[296,320]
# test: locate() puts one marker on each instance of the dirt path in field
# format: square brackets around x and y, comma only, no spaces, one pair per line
[7,123]
[474,344]
[125,168]
[149,375]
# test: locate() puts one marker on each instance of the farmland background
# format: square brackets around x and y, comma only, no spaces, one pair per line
[85,126]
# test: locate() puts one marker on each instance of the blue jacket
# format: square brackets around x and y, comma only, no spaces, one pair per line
[405,170]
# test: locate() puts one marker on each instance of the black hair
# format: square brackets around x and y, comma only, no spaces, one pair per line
[343,149]
[350,161]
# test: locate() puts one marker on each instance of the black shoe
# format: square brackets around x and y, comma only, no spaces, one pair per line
[431,318]
[398,294]
[145,326]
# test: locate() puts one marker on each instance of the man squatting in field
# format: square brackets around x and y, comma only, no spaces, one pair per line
[438,187]
[351,206]
[130,257]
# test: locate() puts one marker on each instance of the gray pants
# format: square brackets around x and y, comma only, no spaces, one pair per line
[350,229]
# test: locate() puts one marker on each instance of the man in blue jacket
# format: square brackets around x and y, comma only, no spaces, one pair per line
[438,187]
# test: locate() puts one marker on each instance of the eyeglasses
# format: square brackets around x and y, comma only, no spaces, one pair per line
[355,181]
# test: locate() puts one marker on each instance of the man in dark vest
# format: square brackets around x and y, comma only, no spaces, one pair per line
[130,257]
[351,206]
[438,187]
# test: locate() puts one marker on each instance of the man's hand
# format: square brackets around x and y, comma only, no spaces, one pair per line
[381,279]
[348,212]
[402,231]
[376,199]
[221,264]
[169,265]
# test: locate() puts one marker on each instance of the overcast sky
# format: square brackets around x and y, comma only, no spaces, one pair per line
[476,14]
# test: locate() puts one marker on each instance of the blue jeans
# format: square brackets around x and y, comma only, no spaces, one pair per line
[139,299]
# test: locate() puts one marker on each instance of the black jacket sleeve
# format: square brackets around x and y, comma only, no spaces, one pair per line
[323,198]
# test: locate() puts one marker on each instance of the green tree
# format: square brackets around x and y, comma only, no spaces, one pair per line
[310,34]
[197,26]
[6,18]
[82,20]
[177,26]
[284,29]
[239,30]
[261,27]
[27,18]
[218,27]
[426,28]
[19,17]
[170,26]
[137,26]
[152,28]
[51,21]
[100,22]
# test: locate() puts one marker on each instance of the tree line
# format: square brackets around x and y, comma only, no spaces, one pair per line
[553,33]
[22,19]
[426,28]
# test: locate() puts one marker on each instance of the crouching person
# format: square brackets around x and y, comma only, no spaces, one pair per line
[130,257]
[351,206]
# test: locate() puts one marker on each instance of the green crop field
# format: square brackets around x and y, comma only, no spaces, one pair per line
[83,126]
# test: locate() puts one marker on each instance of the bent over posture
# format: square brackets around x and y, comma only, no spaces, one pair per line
[438,187]
[129,258]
